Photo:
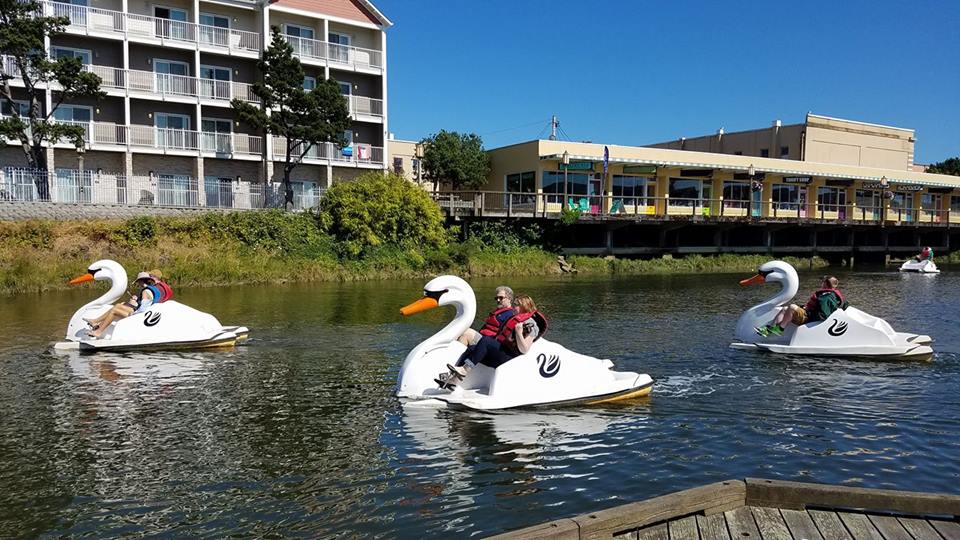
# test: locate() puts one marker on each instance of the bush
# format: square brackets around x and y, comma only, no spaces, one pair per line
[377,209]
[504,237]
[139,231]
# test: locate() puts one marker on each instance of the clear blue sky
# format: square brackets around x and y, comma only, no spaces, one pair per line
[636,72]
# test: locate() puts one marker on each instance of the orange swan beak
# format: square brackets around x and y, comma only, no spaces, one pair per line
[81,279]
[423,304]
[755,280]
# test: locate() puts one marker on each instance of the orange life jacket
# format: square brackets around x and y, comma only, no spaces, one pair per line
[505,335]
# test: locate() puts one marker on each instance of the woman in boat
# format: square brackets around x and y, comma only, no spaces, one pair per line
[821,304]
[925,255]
[515,337]
[149,294]
[495,320]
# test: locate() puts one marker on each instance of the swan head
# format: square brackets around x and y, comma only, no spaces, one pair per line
[772,272]
[442,291]
[102,270]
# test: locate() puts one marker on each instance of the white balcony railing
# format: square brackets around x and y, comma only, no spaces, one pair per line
[87,20]
[335,53]
[139,136]
[362,105]
[358,154]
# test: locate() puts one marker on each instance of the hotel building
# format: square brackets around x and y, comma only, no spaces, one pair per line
[166,133]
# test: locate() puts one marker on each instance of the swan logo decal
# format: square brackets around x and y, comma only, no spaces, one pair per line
[548,368]
[837,329]
[150,318]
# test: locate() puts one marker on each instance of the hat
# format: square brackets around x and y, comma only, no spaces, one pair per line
[143,275]
[156,274]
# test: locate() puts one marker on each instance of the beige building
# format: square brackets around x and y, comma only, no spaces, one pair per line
[170,71]
[404,159]
[539,177]
[820,139]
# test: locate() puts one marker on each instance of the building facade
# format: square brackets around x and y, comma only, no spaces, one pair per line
[819,139]
[170,70]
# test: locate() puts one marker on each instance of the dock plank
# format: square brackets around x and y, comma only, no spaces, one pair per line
[657,532]
[829,525]
[890,528]
[950,530]
[801,525]
[713,527]
[860,526]
[919,529]
[741,524]
[683,529]
[771,524]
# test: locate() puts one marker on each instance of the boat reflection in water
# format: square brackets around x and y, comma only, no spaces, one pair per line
[139,372]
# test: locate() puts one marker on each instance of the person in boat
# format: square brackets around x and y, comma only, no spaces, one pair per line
[926,254]
[515,337]
[148,295]
[822,303]
[166,292]
[495,320]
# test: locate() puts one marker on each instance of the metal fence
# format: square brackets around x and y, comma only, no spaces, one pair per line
[165,190]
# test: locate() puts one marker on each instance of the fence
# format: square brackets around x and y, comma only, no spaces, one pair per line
[176,191]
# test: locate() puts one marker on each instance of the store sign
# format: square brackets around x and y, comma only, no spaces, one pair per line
[872,185]
[797,179]
[909,187]
[639,169]
[577,166]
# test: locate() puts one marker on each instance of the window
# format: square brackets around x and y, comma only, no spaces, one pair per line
[309,83]
[831,199]
[738,153]
[398,165]
[634,190]
[71,186]
[73,113]
[214,29]
[784,151]
[522,182]
[736,194]
[23,108]
[170,14]
[340,47]
[218,191]
[553,182]
[217,21]
[215,82]
[868,204]
[687,192]
[339,39]
[217,135]
[305,194]
[171,121]
[786,197]
[764,152]
[84,55]
[173,24]
[299,31]
[171,77]
[345,88]
[177,190]
[955,204]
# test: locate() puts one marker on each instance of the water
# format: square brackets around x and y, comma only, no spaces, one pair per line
[298,435]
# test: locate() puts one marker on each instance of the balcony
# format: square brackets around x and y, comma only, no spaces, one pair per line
[109,136]
[365,108]
[360,154]
[313,51]
[142,28]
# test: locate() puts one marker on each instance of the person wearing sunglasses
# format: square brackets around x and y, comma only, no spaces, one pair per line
[495,320]
[822,303]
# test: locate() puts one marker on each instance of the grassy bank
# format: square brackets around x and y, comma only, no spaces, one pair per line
[267,247]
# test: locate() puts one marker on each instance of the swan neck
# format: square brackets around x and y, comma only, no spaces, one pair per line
[118,286]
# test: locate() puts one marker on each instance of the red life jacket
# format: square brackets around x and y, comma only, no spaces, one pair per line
[505,335]
[812,302]
[166,292]
[492,325]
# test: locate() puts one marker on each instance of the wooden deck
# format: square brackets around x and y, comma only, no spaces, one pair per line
[759,509]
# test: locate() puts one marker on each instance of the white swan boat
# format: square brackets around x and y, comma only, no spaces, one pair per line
[546,375]
[165,326]
[846,332]
[923,267]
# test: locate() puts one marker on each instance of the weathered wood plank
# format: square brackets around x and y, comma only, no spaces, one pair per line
[657,532]
[683,529]
[829,525]
[561,529]
[632,535]
[709,499]
[919,529]
[771,524]
[890,528]
[950,530]
[859,526]
[713,527]
[796,495]
[741,524]
[801,525]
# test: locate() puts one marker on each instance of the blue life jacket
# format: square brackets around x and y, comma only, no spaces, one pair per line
[153,290]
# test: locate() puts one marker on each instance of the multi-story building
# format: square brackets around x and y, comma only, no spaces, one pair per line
[819,139]
[170,70]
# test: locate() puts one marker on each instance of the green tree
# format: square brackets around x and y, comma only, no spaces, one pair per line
[947,166]
[377,209]
[22,33]
[306,118]
[455,158]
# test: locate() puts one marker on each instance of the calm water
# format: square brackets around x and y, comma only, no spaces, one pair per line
[298,435]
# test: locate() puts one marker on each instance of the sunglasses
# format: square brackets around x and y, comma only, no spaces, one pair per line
[499,298]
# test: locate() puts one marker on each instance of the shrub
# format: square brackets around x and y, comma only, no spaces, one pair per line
[377,209]
[139,231]
[503,236]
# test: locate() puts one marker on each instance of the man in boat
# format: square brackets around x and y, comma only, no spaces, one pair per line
[149,294]
[925,255]
[822,303]
[495,320]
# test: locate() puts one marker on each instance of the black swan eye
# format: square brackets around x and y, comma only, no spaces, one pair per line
[435,294]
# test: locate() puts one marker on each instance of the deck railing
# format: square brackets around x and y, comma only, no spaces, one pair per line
[514,204]
[355,57]
[358,154]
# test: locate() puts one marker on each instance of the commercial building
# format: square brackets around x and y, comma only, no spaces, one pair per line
[166,133]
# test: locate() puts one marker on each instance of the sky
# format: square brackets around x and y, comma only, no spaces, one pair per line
[640,72]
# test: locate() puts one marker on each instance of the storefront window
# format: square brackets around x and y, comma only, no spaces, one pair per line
[831,199]
[736,194]
[553,183]
[684,192]
[955,204]
[785,197]
[634,190]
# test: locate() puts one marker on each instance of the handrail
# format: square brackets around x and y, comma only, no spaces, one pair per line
[336,53]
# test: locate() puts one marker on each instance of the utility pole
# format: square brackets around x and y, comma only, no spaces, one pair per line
[554,124]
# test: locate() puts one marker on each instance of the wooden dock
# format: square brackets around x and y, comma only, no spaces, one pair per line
[758,509]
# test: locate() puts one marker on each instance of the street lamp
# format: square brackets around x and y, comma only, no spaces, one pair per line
[566,166]
[80,170]
[884,185]
[754,193]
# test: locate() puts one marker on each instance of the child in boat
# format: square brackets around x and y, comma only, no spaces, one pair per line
[515,337]
[822,303]
[149,294]
[495,320]
[166,292]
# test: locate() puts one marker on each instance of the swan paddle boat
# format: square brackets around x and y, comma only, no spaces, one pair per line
[165,326]
[546,375]
[846,332]
[923,267]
